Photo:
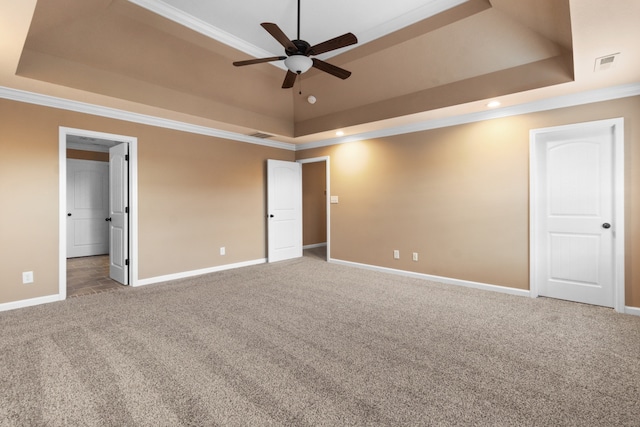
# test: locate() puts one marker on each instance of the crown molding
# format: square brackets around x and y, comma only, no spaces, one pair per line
[571,100]
[429,9]
[128,116]
[588,97]
[182,18]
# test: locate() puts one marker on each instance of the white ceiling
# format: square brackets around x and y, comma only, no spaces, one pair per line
[237,22]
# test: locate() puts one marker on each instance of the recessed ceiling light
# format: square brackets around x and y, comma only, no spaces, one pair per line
[493,104]
[339,133]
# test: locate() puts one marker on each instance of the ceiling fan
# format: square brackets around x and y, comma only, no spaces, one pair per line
[298,53]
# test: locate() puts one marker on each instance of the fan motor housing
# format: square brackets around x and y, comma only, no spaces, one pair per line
[302,48]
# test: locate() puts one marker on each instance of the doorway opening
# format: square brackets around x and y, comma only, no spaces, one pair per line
[316,216]
[98,211]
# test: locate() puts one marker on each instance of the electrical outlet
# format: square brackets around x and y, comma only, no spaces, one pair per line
[223,251]
[27,277]
[415,256]
[396,254]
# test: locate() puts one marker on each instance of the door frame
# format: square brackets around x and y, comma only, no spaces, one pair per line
[535,136]
[327,161]
[63,132]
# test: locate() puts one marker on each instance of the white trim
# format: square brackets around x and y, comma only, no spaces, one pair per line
[315,245]
[598,95]
[440,279]
[617,127]
[62,190]
[634,311]
[113,113]
[327,160]
[62,214]
[571,100]
[180,17]
[427,10]
[192,273]
[29,302]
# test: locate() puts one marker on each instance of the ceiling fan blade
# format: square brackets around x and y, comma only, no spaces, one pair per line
[289,80]
[331,69]
[333,44]
[258,61]
[279,35]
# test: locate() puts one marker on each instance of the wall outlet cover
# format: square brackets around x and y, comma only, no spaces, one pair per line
[27,277]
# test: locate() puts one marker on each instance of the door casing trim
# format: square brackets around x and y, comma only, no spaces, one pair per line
[63,132]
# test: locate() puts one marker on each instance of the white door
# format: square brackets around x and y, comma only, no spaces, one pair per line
[574,214]
[284,210]
[87,207]
[119,214]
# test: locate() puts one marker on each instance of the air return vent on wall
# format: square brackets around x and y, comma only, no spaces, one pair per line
[606,62]
[261,135]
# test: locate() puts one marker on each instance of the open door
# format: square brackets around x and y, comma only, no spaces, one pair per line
[284,210]
[119,213]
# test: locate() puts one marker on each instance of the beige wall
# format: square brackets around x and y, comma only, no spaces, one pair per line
[196,193]
[459,196]
[314,203]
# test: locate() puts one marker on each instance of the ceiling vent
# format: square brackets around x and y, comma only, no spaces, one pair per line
[606,62]
[261,135]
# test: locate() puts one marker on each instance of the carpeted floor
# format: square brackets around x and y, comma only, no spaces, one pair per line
[305,342]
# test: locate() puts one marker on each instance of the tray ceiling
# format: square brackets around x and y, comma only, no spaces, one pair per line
[415,59]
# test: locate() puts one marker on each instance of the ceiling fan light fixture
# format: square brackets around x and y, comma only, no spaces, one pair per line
[298,63]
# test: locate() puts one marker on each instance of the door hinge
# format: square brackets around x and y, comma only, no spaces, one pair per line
[126,157]
[126,210]
[126,261]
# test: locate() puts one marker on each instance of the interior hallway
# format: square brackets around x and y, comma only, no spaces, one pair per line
[89,275]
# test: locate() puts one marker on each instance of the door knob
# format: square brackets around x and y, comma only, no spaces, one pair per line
[606,225]
[69,214]
[107,219]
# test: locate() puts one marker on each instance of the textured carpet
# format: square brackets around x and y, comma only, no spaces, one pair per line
[305,342]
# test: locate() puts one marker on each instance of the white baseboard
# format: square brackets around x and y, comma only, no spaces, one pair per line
[186,274]
[447,280]
[635,311]
[29,302]
[315,245]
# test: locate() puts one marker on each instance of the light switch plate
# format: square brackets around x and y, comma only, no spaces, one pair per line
[334,199]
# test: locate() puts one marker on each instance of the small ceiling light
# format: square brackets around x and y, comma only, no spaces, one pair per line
[298,63]
[493,104]
[311,99]
[339,133]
